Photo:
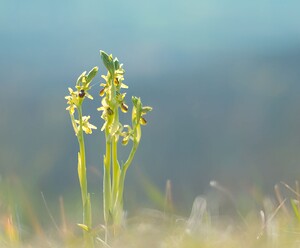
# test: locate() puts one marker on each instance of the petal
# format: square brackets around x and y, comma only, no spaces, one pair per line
[104,77]
[88,96]
[101,108]
[104,126]
[91,126]
[124,86]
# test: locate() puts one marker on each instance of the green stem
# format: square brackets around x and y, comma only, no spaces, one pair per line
[86,204]
[130,157]
[74,123]
[107,180]
[119,196]
[115,162]
[116,169]
[82,171]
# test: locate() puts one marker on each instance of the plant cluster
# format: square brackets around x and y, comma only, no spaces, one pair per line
[113,100]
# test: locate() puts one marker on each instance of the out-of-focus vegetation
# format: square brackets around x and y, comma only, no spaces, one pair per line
[275,224]
[223,78]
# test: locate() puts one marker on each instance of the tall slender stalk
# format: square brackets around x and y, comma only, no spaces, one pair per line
[114,174]
[85,196]
[82,167]
[81,125]
[107,180]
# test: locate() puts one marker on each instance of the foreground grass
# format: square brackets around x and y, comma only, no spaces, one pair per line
[275,225]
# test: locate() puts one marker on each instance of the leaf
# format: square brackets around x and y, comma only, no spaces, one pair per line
[138,107]
[92,73]
[79,80]
[114,128]
[117,64]
[108,62]
[138,134]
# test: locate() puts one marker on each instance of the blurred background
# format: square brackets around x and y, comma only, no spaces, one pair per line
[222,78]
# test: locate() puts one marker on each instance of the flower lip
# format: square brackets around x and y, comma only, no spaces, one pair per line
[102,91]
[109,111]
[81,93]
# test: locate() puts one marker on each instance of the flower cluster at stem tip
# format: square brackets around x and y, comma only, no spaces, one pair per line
[75,100]
[113,100]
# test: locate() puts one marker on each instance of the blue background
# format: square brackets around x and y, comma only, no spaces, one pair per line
[222,77]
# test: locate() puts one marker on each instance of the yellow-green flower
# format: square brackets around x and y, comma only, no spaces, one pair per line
[127,135]
[73,101]
[86,126]
[139,111]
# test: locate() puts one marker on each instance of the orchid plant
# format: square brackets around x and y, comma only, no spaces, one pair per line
[82,125]
[114,170]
